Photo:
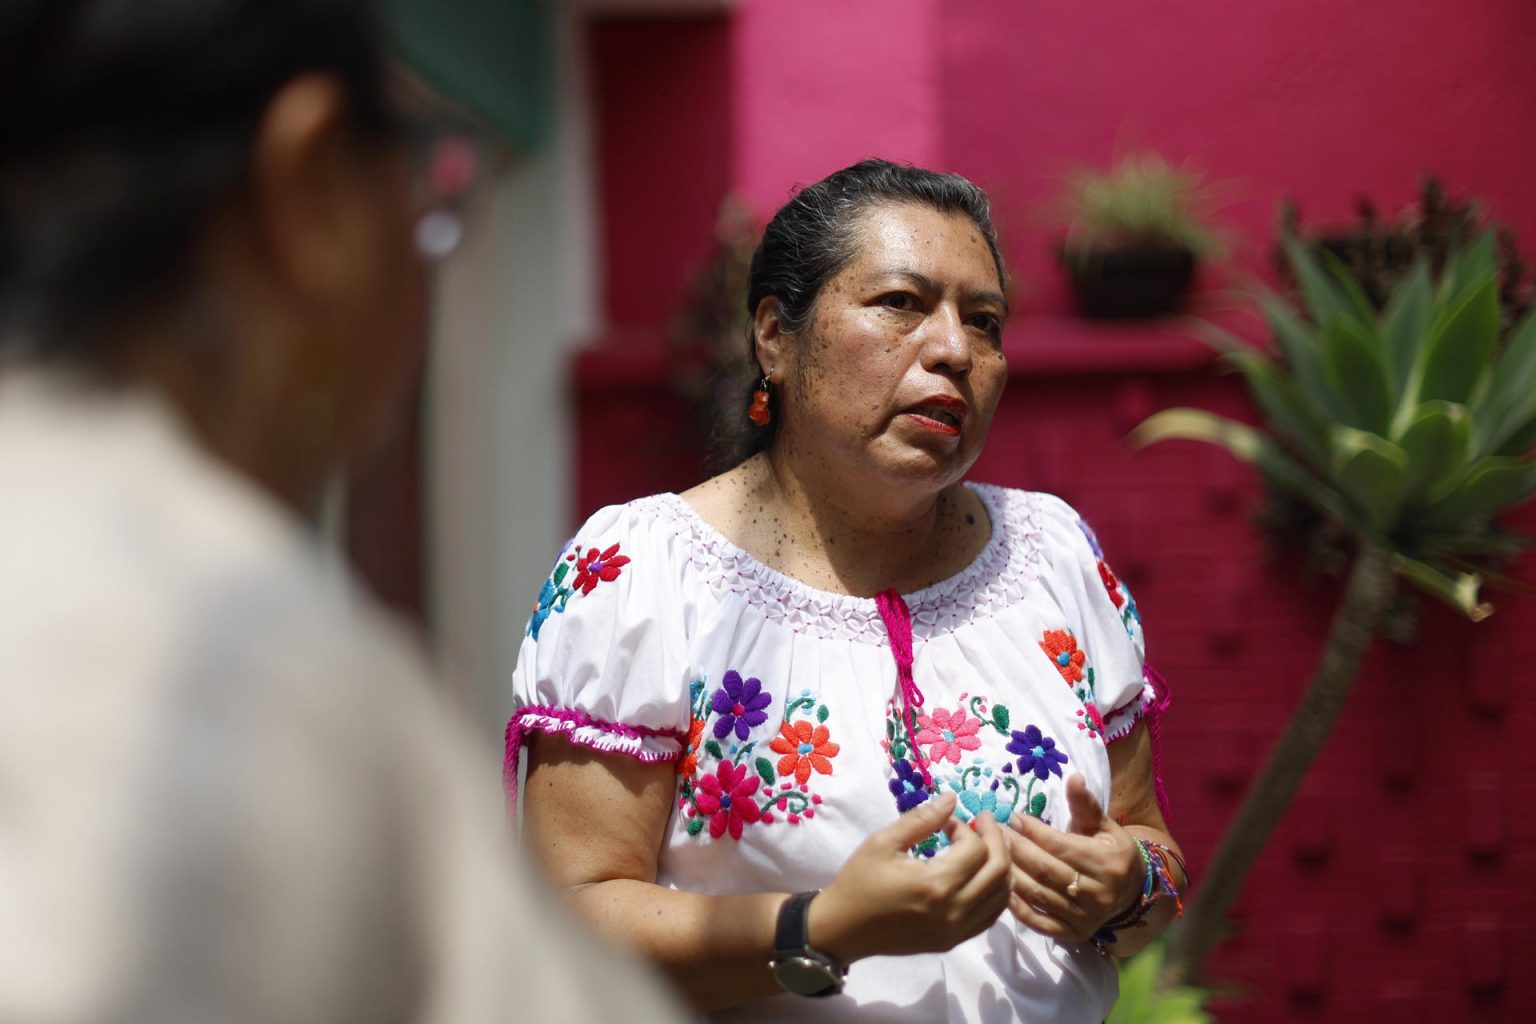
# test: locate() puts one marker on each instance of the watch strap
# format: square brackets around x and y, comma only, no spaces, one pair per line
[793,931]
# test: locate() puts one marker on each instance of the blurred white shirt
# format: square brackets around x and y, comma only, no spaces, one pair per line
[227,789]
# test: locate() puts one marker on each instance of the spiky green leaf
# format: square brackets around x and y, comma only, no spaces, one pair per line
[1458,352]
[1284,406]
[1438,443]
[1494,485]
[1302,350]
[1329,292]
[1458,591]
[1405,322]
[1357,370]
[1372,472]
[1509,407]
[1471,264]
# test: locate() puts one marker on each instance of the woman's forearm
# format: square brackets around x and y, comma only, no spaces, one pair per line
[715,949]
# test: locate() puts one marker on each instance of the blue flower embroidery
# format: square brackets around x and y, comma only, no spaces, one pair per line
[907,787]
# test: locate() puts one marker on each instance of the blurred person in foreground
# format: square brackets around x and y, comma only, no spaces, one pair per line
[836,723]
[228,791]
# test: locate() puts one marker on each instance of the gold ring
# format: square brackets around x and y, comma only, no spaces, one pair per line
[1073,889]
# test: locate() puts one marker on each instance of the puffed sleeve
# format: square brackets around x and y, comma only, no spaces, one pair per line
[1108,623]
[604,655]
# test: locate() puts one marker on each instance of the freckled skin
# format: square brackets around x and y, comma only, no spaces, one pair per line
[856,495]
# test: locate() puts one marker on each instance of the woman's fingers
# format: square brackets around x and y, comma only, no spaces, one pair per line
[919,823]
[988,884]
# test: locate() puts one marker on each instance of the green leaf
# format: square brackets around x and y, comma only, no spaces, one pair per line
[764,770]
[713,749]
[1000,718]
[1459,352]
[1459,591]
[560,571]
[1438,443]
[1357,371]
[1326,286]
[1284,406]
[695,826]
[1037,805]
[1470,265]
[1509,406]
[1405,322]
[822,713]
[1497,483]
[1302,350]
[1372,472]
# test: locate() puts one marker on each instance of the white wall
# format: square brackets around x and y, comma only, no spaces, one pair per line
[509,308]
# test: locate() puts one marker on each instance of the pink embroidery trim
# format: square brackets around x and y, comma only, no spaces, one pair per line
[898,627]
[550,719]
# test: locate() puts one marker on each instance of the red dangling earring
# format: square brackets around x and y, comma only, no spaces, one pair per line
[760,413]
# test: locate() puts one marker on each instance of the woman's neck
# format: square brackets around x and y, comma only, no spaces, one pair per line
[858,540]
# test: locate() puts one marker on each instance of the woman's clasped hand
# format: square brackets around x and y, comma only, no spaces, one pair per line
[885,902]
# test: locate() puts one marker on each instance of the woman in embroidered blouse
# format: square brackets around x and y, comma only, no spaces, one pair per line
[837,667]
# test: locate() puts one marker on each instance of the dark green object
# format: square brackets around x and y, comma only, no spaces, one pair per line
[492,58]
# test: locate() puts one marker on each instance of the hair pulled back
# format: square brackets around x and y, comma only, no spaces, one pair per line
[815,235]
[127,124]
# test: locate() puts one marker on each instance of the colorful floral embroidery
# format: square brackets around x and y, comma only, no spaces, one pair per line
[1121,596]
[907,787]
[1061,647]
[1111,584]
[730,796]
[950,733]
[728,799]
[591,568]
[981,791]
[804,748]
[1039,758]
[740,704]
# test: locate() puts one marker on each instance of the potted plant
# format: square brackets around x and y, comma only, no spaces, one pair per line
[1411,428]
[1135,235]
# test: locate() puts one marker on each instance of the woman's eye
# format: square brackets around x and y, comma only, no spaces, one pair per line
[899,300]
[988,323]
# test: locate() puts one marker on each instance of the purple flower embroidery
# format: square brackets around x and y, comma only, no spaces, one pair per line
[740,704]
[907,787]
[1037,753]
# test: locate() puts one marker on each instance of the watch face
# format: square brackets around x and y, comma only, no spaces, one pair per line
[805,976]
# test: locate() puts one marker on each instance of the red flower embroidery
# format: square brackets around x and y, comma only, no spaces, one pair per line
[688,764]
[1111,584]
[804,748]
[592,567]
[951,733]
[727,797]
[1095,721]
[1061,647]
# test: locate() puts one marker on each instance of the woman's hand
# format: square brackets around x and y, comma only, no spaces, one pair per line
[1097,853]
[884,901]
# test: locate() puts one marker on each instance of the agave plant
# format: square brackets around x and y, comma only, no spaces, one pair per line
[1412,429]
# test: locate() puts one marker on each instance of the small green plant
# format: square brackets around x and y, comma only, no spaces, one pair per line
[1411,429]
[1143,1001]
[1142,201]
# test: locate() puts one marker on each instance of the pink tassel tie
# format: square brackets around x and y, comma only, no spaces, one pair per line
[898,626]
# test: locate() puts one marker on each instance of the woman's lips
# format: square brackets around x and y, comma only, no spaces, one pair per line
[934,426]
[939,414]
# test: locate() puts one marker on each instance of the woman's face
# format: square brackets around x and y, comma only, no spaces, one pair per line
[899,371]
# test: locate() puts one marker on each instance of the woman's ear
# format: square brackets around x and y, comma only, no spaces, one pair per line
[774,352]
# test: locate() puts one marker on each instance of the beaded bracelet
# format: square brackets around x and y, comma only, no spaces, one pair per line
[1157,881]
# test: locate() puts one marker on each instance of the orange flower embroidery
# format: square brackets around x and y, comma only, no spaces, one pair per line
[1061,647]
[803,748]
[688,764]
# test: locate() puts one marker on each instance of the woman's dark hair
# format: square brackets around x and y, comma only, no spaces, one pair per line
[125,123]
[815,235]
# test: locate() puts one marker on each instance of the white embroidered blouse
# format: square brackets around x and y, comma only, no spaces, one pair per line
[657,638]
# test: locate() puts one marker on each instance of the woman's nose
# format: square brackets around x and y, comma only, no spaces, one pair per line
[946,347]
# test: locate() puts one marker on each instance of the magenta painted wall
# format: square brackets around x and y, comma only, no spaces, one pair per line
[1399,887]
